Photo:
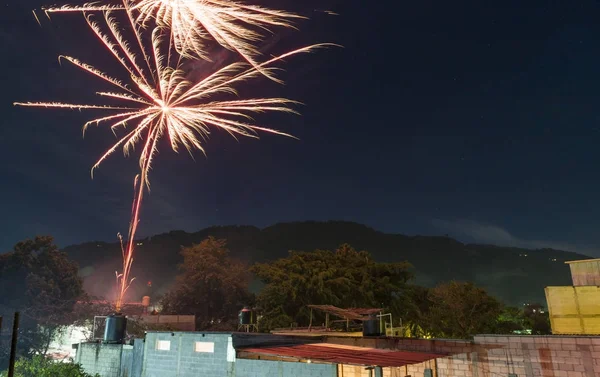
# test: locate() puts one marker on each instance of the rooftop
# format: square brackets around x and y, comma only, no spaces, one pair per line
[359,314]
[342,354]
[583,261]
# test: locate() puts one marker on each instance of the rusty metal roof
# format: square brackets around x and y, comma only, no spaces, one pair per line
[339,354]
[359,314]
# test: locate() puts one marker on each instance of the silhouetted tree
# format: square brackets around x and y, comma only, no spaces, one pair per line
[412,305]
[531,318]
[42,283]
[344,278]
[510,321]
[537,318]
[211,285]
[461,310]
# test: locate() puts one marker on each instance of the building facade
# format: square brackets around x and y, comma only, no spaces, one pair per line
[187,354]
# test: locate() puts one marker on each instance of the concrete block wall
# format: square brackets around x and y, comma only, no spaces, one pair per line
[461,365]
[524,356]
[193,354]
[104,359]
[262,368]
[555,356]
[346,370]
[189,355]
[213,355]
[417,370]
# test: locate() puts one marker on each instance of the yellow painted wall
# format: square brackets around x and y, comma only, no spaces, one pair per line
[574,310]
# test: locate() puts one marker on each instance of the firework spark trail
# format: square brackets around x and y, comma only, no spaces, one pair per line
[160,101]
[193,23]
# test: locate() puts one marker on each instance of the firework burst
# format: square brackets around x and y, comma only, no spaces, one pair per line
[194,23]
[159,101]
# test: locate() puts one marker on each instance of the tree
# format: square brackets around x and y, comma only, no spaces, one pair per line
[412,305]
[344,278]
[212,285]
[530,319]
[40,281]
[461,310]
[510,321]
[537,319]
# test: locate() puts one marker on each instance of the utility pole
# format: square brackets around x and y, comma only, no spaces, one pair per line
[13,346]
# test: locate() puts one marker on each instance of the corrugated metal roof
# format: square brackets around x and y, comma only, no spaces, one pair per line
[335,353]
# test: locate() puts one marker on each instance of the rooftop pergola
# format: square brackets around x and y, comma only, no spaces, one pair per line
[347,315]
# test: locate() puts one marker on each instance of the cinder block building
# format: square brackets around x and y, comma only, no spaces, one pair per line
[187,354]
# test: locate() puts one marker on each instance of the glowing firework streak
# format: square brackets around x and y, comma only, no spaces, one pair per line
[160,100]
[193,23]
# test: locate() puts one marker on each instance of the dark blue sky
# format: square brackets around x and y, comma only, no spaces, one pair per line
[477,119]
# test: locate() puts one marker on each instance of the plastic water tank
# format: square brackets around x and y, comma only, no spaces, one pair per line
[371,326]
[245,316]
[146,301]
[114,332]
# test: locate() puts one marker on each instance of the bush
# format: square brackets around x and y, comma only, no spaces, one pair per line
[40,366]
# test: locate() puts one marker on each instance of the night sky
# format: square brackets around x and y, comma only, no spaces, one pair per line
[476,119]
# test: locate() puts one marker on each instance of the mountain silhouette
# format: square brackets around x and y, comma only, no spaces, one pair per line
[514,275]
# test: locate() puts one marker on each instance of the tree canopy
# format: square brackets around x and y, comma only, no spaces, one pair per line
[211,285]
[40,281]
[344,277]
[460,310]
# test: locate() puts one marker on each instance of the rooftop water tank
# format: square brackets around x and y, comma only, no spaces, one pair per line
[114,332]
[371,326]
[245,316]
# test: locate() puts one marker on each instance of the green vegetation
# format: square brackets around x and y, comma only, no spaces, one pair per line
[460,310]
[39,366]
[212,285]
[344,278]
[42,283]
[504,272]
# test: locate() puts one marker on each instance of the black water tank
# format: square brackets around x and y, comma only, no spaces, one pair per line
[245,316]
[371,326]
[114,332]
